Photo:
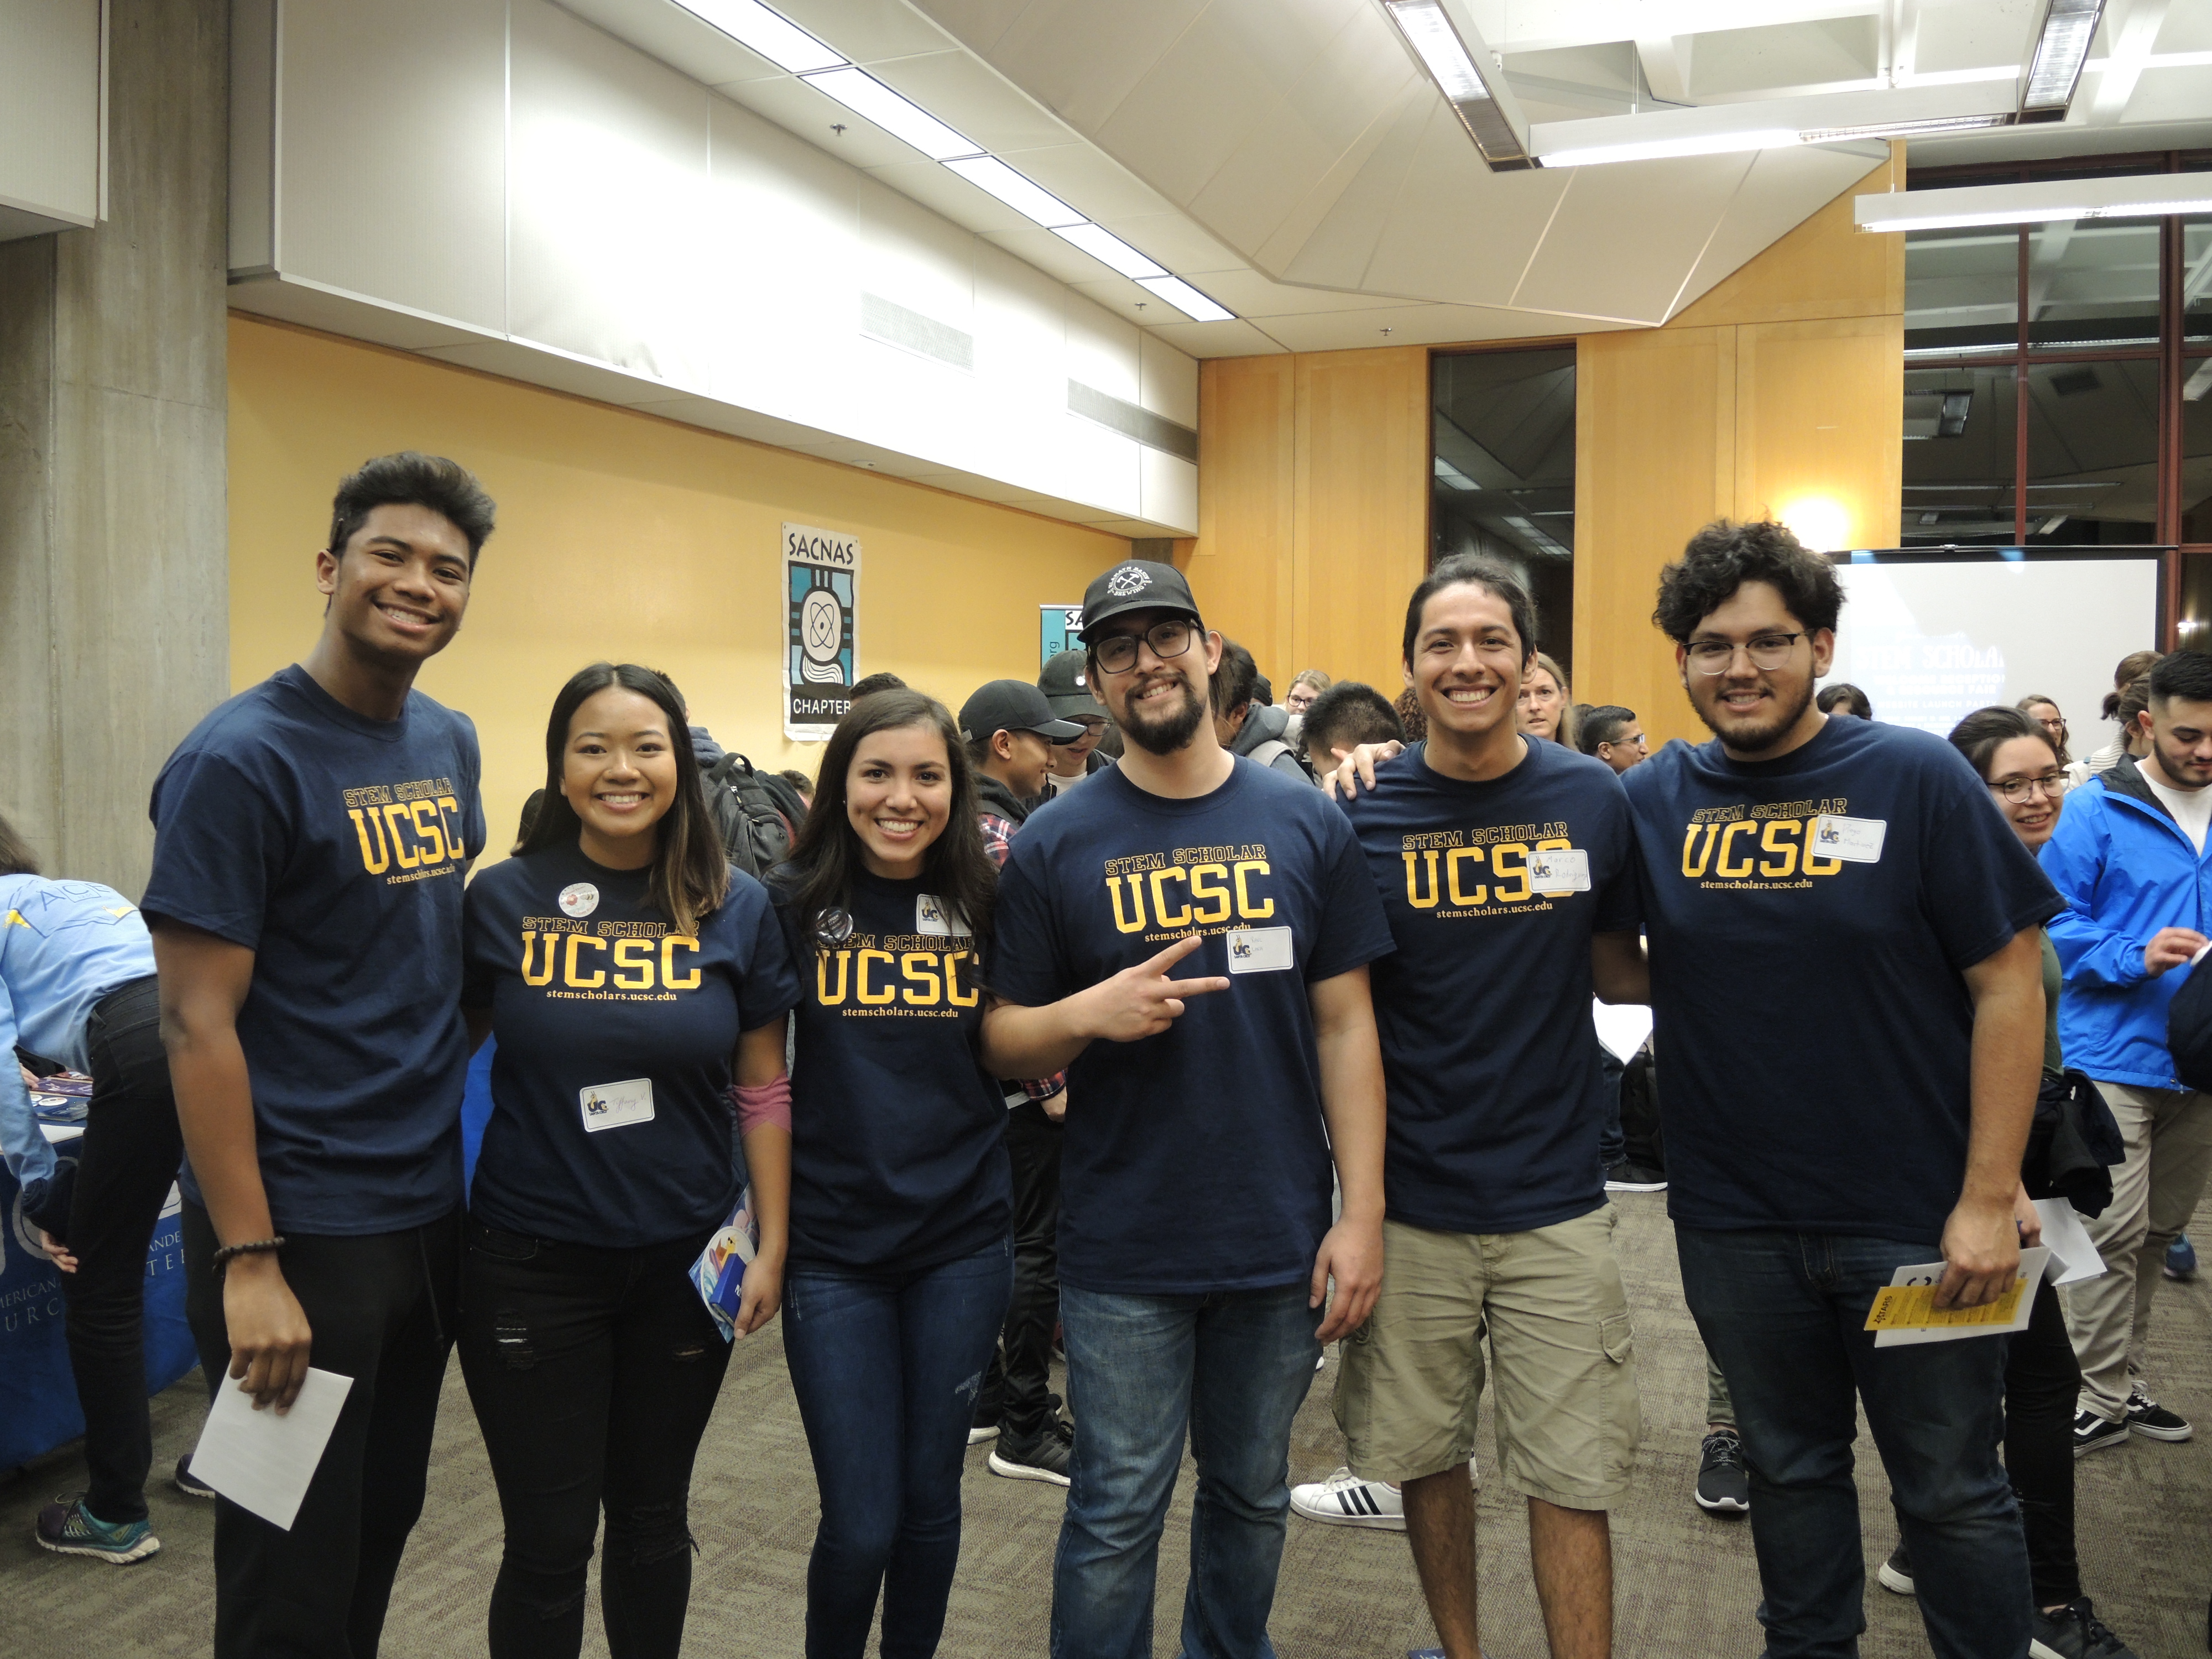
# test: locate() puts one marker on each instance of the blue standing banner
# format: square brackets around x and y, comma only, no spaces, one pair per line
[1059,624]
[821,573]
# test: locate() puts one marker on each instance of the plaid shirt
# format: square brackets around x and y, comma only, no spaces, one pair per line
[998,841]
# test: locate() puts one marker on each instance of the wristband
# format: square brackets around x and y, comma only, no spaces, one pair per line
[760,1103]
[254,1246]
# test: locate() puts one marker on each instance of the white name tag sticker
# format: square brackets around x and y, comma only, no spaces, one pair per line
[616,1105]
[1559,870]
[1260,951]
[932,916]
[1855,841]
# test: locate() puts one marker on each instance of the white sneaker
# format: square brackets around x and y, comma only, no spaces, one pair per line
[1345,1500]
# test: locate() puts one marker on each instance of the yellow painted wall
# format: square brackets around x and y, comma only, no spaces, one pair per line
[1783,386]
[620,536]
[1779,393]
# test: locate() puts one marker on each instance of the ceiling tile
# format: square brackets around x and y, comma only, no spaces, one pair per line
[792,104]
[1189,113]
[947,194]
[1784,188]
[678,38]
[1125,299]
[1264,179]
[1249,293]
[1174,242]
[1049,254]
[1331,239]
[1238,339]
[963,91]
[977,24]
[1475,255]
[866,30]
[2181,93]
[1089,180]
[1662,210]
[1080,59]
[1417,326]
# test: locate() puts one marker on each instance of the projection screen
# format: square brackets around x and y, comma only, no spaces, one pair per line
[1931,641]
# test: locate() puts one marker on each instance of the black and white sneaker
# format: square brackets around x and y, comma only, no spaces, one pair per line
[1896,1573]
[1723,1487]
[2073,1631]
[1345,1500]
[188,1483]
[1629,1177]
[1035,1457]
[2094,1433]
[2147,1418]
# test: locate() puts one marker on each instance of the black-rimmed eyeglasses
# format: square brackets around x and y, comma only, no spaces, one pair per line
[1117,653]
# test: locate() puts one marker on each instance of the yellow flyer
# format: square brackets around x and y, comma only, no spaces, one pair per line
[1905,1310]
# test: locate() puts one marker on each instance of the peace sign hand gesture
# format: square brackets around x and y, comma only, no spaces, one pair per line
[1143,1001]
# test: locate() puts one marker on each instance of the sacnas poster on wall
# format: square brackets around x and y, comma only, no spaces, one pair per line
[821,584]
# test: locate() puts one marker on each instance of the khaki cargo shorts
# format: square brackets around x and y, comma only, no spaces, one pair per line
[1561,1343]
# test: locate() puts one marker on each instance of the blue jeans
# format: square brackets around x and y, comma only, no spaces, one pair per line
[1232,1369]
[1783,1314]
[886,1371]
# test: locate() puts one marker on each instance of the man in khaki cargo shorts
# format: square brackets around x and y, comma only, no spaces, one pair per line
[1505,868]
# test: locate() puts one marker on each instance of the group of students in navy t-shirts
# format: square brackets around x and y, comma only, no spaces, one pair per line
[1305,1039]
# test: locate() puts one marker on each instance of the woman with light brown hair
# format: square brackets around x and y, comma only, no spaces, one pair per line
[1546,705]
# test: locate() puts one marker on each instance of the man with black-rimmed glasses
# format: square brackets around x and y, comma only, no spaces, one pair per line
[1846,976]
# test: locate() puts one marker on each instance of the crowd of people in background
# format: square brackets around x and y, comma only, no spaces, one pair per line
[1129,1013]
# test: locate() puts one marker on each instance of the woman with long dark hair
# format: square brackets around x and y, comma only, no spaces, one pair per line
[901,1209]
[632,978]
[2026,773]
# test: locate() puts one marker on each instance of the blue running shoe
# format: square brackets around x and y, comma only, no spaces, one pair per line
[2181,1259]
[67,1528]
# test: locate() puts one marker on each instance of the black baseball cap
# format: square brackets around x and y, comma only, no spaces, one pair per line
[1066,685]
[1137,585]
[1012,706]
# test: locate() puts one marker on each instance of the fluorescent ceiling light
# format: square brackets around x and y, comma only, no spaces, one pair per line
[1108,249]
[2143,194]
[1774,123]
[1452,50]
[2062,47]
[869,98]
[1187,300]
[1030,200]
[782,42]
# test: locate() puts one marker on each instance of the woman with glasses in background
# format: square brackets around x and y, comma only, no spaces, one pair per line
[2022,763]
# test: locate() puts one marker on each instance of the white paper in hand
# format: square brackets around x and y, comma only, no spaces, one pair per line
[262,1461]
[2072,1256]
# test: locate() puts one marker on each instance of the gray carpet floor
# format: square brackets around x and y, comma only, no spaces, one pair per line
[1686,1583]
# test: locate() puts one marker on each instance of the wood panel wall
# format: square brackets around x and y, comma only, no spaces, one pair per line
[1312,506]
[1782,387]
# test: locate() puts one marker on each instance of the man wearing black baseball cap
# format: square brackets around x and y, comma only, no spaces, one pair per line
[1066,683]
[1195,1240]
[1010,731]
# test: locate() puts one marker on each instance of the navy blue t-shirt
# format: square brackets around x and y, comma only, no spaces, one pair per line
[1810,920]
[334,845]
[1497,1091]
[1195,1160]
[898,1140]
[609,1123]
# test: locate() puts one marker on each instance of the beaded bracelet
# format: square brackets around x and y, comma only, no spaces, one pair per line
[256,1247]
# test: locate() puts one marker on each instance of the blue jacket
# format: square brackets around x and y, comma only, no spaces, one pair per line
[2125,870]
[64,946]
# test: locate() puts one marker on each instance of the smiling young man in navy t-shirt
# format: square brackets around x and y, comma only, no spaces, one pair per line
[1507,870]
[1196,1246]
[311,839]
[1846,982]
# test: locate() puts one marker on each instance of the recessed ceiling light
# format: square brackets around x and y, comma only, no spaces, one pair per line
[2062,47]
[1451,49]
[865,96]
[1031,201]
[1108,249]
[777,38]
[1187,300]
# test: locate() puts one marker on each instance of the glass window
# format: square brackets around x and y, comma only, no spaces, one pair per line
[2093,282]
[2093,452]
[1961,289]
[1504,472]
[1960,447]
[2197,450]
[2197,280]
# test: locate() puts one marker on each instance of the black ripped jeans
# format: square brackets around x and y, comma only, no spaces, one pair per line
[594,1372]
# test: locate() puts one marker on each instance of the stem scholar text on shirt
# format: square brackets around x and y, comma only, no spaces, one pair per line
[1192,889]
[1765,847]
[1443,866]
[416,826]
[911,974]
[608,961]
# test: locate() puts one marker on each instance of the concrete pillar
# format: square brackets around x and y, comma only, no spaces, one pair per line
[114,570]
